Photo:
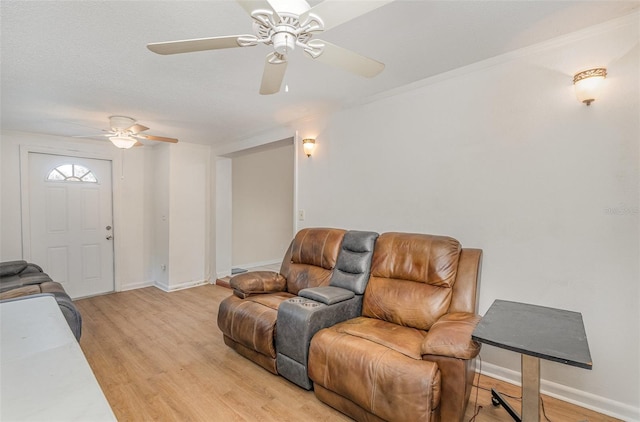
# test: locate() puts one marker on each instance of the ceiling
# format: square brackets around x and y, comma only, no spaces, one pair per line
[66,66]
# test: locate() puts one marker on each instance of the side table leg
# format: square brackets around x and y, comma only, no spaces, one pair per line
[530,388]
[497,400]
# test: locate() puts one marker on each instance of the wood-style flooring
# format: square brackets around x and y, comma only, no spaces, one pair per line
[160,357]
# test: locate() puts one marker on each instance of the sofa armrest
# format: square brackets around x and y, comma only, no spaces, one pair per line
[257,282]
[327,294]
[451,336]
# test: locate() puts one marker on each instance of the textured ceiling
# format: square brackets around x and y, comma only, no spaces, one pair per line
[68,65]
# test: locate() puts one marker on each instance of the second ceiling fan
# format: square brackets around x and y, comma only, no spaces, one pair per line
[287,24]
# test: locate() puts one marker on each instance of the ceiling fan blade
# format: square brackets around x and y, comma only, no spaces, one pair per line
[201,44]
[136,128]
[86,126]
[250,5]
[93,136]
[157,138]
[345,59]
[337,12]
[138,144]
[274,68]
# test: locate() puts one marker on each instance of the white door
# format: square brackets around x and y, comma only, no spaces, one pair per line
[71,235]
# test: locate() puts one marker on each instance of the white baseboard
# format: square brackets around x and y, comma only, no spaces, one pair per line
[133,286]
[570,395]
[180,286]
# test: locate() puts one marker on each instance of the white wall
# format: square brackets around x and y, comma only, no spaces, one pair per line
[182,232]
[262,204]
[161,188]
[10,220]
[223,216]
[502,156]
[189,232]
[132,229]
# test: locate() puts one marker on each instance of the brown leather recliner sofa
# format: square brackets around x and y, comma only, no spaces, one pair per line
[400,351]
[409,356]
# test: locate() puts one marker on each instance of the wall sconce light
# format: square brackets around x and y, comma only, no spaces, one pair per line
[308,145]
[588,83]
[124,142]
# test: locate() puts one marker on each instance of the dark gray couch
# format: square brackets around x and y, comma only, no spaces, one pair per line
[20,279]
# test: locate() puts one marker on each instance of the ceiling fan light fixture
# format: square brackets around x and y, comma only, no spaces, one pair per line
[124,142]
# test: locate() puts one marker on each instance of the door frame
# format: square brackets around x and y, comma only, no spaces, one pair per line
[116,168]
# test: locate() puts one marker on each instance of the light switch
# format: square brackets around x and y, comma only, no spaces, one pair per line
[300,215]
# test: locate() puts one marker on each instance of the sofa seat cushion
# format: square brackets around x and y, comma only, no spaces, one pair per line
[405,340]
[251,322]
[49,286]
[390,384]
[20,291]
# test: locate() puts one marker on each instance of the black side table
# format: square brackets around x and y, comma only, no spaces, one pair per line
[536,332]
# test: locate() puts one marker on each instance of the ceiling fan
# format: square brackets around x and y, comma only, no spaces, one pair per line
[285,25]
[125,133]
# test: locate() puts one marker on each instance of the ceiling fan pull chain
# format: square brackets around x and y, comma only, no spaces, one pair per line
[122,165]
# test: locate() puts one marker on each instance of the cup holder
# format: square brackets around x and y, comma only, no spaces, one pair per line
[296,300]
[310,304]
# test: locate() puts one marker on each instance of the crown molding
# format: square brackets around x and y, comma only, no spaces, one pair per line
[631,19]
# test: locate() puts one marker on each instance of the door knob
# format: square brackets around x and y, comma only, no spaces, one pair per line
[109,237]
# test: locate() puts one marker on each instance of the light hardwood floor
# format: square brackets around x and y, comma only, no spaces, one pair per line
[160,356]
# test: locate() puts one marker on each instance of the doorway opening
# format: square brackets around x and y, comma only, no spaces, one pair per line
[255,198]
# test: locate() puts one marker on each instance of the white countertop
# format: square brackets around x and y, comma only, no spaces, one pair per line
[43,373]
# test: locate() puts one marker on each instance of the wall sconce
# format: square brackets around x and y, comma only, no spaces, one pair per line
[124,142]
[588,83]
[308,145]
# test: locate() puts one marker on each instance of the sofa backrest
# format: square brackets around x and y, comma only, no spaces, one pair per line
[353,267]
[11,268]
[311,258]
[412,278]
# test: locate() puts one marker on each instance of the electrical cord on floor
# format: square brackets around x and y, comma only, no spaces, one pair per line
[478,387]
[543,412]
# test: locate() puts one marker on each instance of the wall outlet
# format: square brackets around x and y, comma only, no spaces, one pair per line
[300,215]
[163,267]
